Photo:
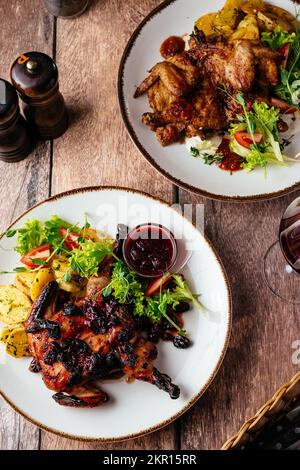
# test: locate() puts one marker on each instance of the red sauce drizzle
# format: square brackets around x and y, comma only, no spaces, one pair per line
[231,161]
[171,46]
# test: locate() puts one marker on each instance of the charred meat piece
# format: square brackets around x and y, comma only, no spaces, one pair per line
[100,340]
[170,75]
[234,64]
[163,382]
[86,397]
[170,133]
[209,113]
[192,73]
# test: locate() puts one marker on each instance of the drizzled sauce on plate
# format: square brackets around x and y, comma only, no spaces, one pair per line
[171,46]
[231,161]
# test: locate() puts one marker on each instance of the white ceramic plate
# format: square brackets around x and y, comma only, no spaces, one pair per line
[137,408]
[177,17]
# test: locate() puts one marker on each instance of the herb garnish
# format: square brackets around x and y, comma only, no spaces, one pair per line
[127,288]
[289,87]
[208,158]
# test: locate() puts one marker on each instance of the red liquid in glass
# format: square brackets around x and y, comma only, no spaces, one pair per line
[289,235]
[150,250]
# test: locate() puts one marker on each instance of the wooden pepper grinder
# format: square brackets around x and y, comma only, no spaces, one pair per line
[15,142]
[66,8]
[35,77]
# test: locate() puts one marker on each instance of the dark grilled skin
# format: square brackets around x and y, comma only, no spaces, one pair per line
[86,340]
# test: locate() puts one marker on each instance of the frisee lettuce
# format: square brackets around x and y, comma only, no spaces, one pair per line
[86,259]
[30,236]
[52,227]
[278,38]
[289,87]
[262,119]
[127,288]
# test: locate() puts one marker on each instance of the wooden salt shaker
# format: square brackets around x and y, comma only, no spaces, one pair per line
[35,77]
[15,142]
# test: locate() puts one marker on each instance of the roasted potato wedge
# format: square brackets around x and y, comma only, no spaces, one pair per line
[92,234]
[6,331]
[223,22]
[247,29]
[14,305]
[42,278]
[17,343]
[206,24]
[24,281]
[60,269]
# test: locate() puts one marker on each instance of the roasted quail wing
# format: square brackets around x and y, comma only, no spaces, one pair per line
[236,64]
[88,339]
[171,76]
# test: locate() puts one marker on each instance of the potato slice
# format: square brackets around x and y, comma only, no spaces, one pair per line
[247,29]
[41,279]
[6,331]
[24,281]
[17,343]
[235,4]
[92,234]
[61,268]
[14,305]
[206,24]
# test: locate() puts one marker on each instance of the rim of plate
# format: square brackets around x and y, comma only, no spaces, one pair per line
[218,365]
[148,157]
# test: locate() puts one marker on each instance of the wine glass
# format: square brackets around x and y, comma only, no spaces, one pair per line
[281,263]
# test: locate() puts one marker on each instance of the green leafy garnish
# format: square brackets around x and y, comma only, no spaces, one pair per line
[262,119]
[86,259]
[125,285]
[126,288]
[20,270]
[53,235]
[207,151]
[183,293]
[289,86]
[107,291]
[11,233]
[266,118]
[30,236]
[36,233]
[194,152]
[68,276]
[277,38]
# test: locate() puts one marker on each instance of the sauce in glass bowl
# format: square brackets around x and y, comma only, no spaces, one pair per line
[150,250]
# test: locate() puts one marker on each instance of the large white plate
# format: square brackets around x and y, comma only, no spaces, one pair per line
[177,17]
[137,408]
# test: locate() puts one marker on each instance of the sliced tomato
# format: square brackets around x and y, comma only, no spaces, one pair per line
[284,52]
[284,107]
[155,286]
[71,240]
[42,253]
[244,139]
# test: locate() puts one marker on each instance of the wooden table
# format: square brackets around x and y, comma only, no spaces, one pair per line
[87,51]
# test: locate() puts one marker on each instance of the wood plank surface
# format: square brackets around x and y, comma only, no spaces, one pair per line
[259,357]
[25,26]
[96,150]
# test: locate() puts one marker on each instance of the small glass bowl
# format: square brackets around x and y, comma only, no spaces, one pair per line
[134,235]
